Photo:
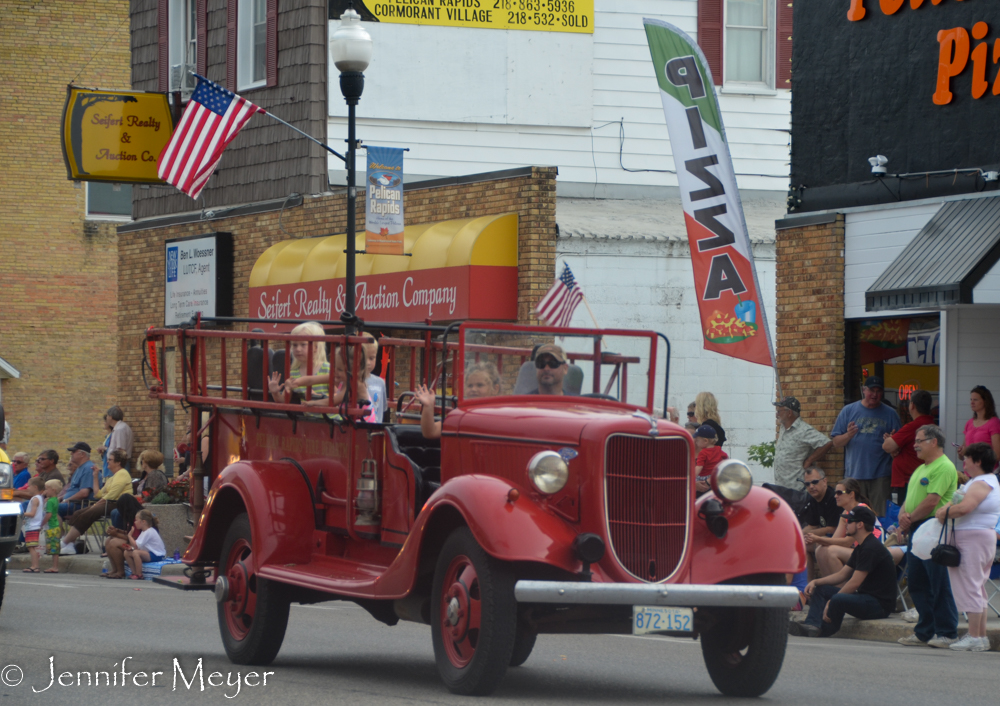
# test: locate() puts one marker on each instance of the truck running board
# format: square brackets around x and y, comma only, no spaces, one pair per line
[184,583]
[727,595]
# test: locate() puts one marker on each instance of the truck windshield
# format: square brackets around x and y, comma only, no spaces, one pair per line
[620,365]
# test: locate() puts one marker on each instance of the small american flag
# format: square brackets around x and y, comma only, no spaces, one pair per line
[557,307]
[214,117]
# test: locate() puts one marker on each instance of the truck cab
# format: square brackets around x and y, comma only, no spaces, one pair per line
[537,506]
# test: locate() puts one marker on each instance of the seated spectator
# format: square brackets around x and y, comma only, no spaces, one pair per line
[834,551]
[709,456]
[147,547]
[118,535]
[123,516]
[865,587]
[46,468]
[481,380]
[821,515]
[82,485]
[19,467]
[152,478]
[106,498]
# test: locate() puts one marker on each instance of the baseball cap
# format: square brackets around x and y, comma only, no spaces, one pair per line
[874,381]
[705,432]
[553,350]
[789,403]
[80,446]
[861,514]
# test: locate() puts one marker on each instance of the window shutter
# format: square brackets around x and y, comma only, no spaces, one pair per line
[201,22]
[783,52]
[272,42]
[163,46]
[711,25]
[232,9]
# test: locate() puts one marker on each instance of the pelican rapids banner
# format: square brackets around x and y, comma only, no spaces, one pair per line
[733,321]
[384,201]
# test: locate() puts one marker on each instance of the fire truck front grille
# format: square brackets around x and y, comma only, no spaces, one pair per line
[647,500]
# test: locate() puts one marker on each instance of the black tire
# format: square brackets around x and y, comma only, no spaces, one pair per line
[253,619]
[745,650]
[524,643]
[472,659]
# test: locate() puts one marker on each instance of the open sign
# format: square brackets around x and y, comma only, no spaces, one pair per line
[906,391]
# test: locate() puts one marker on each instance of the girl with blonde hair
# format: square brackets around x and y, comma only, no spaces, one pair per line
[706,411]
[300,376]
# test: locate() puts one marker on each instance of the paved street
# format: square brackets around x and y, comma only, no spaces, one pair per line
[337,654]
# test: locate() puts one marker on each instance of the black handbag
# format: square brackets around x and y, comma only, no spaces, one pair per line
[946,554]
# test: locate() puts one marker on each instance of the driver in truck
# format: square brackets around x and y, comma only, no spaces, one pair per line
[550,369]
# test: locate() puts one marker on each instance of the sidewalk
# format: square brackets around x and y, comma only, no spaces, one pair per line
[78,564]
[894,627]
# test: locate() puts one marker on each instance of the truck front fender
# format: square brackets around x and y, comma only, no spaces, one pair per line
[759,541]
[274,495]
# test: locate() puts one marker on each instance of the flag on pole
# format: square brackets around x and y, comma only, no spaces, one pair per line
[733,321]
[213,117]
[558,305]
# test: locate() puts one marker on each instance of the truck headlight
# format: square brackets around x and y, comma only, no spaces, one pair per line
[548,471]
[732,480]
[6,476]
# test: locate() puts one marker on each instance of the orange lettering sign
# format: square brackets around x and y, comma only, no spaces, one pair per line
[979,58]
[952,59]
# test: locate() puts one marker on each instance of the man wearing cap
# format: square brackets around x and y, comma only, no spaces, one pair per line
[864,588]
[860,430]
[81,486]
[550,369]
[798,447]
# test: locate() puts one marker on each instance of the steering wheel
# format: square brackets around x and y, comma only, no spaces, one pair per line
[599,396]
[409,394]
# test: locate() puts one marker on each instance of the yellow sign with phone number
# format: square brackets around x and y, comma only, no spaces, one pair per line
[541,15]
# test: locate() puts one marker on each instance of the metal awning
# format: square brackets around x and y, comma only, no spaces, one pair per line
[944,262]
[7,370]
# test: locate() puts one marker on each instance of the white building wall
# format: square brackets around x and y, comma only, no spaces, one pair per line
[988,289]
[971,346]
[648,285]
[474,100]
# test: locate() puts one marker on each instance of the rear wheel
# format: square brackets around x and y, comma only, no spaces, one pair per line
[473,616]
[254,613]
[745,650]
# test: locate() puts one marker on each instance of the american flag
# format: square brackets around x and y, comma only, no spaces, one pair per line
[214,117]
[557,307]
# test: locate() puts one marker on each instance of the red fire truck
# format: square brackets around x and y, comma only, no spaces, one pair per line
[532,513]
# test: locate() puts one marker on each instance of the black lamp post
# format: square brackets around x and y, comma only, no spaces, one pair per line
[351,51]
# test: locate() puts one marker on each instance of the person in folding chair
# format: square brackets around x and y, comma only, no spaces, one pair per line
[975,520]
[106,498]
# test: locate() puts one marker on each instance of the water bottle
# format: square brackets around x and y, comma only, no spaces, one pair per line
[104,567]
[177,555]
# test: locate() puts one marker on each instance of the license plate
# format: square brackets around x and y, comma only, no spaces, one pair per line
[647,620]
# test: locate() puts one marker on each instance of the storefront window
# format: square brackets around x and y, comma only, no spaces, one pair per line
[109,200]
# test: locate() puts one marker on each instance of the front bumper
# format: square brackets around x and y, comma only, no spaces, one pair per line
[10,527]
[726,595]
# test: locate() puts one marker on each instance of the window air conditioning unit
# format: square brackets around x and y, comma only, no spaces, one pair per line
[182,78]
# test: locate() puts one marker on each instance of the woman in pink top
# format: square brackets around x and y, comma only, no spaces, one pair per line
[984,427]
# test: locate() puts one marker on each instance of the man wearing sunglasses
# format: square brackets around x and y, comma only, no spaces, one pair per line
[821,514]
[550,369]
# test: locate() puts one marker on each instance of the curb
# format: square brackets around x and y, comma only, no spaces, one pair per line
[892,628]
[91,564]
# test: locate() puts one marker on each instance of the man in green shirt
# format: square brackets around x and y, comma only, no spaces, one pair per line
[931,486]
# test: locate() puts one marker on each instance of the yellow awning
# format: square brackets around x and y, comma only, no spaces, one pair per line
[487,240]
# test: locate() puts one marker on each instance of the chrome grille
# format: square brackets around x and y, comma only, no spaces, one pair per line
[647,500]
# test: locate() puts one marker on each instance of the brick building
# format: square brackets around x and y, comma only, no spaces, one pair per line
[887,257]
[58,243]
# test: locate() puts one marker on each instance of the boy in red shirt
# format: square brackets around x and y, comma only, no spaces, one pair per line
[709,456]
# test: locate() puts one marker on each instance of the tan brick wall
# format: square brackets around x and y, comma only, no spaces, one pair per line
[810,325]
[58,302]
[141,254]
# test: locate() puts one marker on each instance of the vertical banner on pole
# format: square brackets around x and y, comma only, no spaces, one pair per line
[384,201]
[732,315]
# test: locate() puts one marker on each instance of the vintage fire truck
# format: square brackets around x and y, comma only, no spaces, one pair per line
[10,514]
[532,513]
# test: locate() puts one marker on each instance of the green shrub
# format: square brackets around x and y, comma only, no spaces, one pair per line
[762,454]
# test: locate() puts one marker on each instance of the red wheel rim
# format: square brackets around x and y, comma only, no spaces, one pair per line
[242,602]
[461,611]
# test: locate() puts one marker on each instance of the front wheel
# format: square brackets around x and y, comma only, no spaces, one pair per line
[473,616]
[253,614]
[3,579]
[744,651]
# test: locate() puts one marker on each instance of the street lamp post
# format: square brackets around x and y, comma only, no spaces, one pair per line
[351,51]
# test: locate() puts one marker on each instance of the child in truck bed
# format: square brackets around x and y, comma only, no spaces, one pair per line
[709,456]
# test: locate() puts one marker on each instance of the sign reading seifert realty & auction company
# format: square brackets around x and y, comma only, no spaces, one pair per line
[199,278]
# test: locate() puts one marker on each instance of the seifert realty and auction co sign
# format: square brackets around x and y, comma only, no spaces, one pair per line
[914,80]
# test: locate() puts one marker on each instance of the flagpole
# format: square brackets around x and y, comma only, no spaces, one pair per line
[592,317]
[304,134]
